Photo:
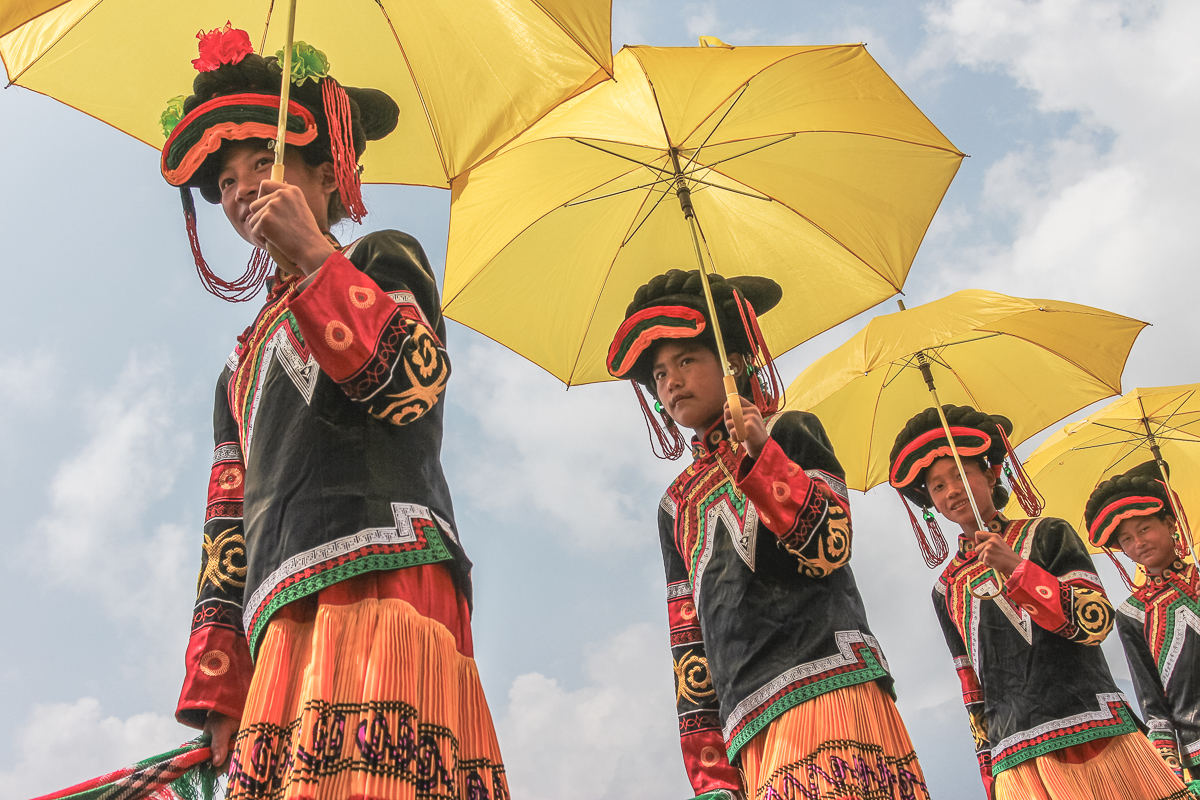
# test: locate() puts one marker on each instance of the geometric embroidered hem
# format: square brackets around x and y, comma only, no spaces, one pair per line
[1113,718]
[858,660]
[310,572]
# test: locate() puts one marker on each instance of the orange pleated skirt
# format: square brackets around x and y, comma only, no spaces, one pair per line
[1117,768]
[848,744]
[369,692]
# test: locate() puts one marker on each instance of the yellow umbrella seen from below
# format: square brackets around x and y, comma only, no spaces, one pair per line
[468,75]
[1161,423]
[1033,361]
[806,165]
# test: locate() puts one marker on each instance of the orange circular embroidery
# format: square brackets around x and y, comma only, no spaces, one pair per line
[709,756]
[792,469]
[338,335]
[1032,609]
[362,297]
[688,610]
[766,520]
[230,478]
[1045,592]
[781,491]
[214,663]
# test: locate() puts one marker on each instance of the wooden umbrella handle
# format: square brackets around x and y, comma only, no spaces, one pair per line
[735,407]
[280,258]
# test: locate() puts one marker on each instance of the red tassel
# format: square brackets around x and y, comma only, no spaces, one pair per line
[933,547]
[671,443]
[1128,581]
[341,144]
[1028,496]
[766,385]
[238,290]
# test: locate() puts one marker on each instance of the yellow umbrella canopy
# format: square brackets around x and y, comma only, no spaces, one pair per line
[468,75]
[807,165]
[1118,437]
[1034,361]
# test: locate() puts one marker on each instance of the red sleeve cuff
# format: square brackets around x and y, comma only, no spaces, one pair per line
[971,692]
[218,676]
[778,487]
[342,314]
[1037,591]
[707,764]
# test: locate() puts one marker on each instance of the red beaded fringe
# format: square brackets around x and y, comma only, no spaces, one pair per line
[1128,581]
[671,443]
[238,290]
[341,143]
[766,384]
[1028,496]
[933,547]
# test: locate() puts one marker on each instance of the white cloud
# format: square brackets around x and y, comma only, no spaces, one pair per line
[614,737]
[95,536]
[61,744]
[581,457]
[26,380]
[1103,214]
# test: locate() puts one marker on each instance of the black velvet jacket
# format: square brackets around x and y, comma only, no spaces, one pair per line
[764,610]
[1033,676]
[328,432]
[1160,629]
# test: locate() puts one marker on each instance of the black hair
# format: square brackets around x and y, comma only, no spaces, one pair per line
[964,416]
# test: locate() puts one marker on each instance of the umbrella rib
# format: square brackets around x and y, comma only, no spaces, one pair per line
[437,142]
[607,274]
[711,133]
[711,185]
[608,70]
[13,78]
[785,138]
[651,167]
[650,185]
[645,219]
[1182,400]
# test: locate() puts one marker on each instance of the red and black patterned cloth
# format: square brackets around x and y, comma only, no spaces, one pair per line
[1034,679]
[764,610]
[328,432]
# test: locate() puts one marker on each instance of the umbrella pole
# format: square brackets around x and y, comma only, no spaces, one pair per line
[285,91]
[927,373]
[1156,451]
[732,397]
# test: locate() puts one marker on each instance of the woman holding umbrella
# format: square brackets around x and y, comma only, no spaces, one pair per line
[1159,624]
[331,630]
[1048,721]
[781,688]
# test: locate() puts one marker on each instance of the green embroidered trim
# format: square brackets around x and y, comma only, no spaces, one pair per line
[434,551]
[725,490]
[871,670]
[1169,616]
[1058,743]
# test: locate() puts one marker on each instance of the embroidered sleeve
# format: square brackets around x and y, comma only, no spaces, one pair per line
[797,486]
[370,329]
[217,661]
[1058,585]
[972,692]
[704,755]
[1147,682]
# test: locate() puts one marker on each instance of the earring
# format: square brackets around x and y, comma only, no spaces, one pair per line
[658,406]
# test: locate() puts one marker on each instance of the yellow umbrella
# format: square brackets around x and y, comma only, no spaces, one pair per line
[804,164]
[468,75]
[1161,422]
[1033,361]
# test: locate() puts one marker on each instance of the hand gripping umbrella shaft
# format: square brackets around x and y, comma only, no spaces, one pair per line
[927,373]
[689,212]
[1156,451]
[285,91]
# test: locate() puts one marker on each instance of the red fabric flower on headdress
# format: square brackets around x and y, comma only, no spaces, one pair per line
[222,46]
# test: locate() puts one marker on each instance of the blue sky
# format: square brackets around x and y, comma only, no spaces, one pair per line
[1080,119]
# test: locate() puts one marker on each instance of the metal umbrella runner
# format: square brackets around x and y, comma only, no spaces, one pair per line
[806,165]
[1033,361]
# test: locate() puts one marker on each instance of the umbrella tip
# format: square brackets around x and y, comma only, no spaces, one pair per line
[712,41]
[901,304]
